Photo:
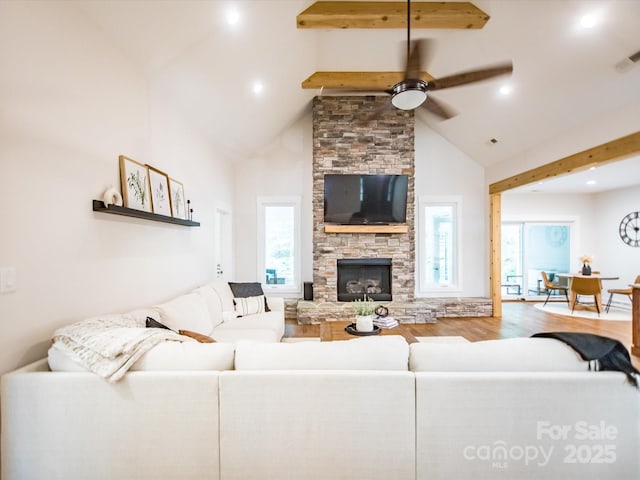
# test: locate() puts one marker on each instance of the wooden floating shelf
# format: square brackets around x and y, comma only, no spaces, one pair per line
[98,206]
[366,228]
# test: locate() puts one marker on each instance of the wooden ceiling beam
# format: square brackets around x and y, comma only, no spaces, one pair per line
[453,15]
[607,152]
[361,81]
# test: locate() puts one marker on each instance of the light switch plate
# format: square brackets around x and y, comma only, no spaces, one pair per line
[8,283]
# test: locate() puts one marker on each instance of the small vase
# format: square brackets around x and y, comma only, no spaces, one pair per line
[364,323]
[586,269]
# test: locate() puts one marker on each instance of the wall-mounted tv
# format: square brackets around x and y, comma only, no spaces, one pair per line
[352,199]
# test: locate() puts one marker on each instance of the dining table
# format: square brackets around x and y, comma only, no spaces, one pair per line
[573,296]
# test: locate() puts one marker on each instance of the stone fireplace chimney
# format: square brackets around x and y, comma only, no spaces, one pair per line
[346,141]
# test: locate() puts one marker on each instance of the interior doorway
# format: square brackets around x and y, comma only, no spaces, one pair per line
[222,235]
[529,248]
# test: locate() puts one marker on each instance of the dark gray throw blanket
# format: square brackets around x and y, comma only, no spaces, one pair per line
[602,352]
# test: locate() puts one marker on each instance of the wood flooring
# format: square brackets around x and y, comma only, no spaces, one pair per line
[519,319]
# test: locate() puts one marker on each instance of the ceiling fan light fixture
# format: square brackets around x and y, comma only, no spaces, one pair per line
[408,94]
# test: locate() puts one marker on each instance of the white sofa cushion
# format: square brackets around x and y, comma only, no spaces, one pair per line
[340,424]
[166,356]
[214,304]
[186,312]
[232,335]
[275,303]
[224,292]
[473,425]
[273,321]
[187,356]
[369,353]
[506,355]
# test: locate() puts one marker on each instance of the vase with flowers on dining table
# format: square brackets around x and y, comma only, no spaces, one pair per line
[586,264]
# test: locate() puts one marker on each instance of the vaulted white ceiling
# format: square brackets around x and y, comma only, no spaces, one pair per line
[564,75]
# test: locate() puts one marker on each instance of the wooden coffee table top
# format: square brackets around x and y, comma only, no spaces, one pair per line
[330,331]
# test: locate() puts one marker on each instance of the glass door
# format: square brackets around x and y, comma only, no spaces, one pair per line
[512,261]
[529,248]
[222,244]
[547,249]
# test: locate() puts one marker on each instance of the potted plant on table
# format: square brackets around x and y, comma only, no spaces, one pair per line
[586,264]
[364,308]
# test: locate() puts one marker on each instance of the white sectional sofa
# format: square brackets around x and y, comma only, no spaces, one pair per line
[208,310]
[226,326]
[369,408]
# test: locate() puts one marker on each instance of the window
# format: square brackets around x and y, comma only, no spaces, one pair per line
[279,244]
[439,247]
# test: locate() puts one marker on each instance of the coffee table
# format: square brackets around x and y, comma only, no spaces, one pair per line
[330,331]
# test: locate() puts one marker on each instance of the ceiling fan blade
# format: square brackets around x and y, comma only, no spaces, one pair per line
[438,108]
[470,77]
[419,51]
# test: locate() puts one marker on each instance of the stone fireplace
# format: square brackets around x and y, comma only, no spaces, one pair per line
[350,137]
[358,277]
[345,141]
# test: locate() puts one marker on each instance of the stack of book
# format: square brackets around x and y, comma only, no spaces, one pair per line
[385,322]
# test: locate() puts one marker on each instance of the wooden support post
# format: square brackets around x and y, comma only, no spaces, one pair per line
[495,254]
[635,337]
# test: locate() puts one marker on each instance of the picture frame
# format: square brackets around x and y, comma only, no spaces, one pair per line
[134,180]
[160,196]
[178,201]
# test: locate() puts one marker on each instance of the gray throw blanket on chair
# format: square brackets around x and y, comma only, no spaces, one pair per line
[602,353]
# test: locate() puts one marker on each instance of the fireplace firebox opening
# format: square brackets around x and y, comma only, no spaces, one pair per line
[364,276]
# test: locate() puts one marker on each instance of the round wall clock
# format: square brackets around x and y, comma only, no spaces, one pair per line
[630,229]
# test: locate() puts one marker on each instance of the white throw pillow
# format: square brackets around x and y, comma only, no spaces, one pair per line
[187,356]
[214,305]
[224,292]
[166,356]
[187,312]
[249,305]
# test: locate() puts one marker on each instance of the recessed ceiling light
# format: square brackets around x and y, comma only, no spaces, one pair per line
[258,87]
[233,17]
[505,90]
[591,182]
[588,21]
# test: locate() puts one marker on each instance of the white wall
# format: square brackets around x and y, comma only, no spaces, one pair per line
[597,218]
[613,255]
[285,169]
[442,169]
[70,103]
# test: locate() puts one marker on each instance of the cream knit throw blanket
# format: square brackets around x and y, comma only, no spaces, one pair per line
[111,344]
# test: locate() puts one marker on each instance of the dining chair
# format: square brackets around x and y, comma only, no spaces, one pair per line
[586,286]
[620,291]
[550,286]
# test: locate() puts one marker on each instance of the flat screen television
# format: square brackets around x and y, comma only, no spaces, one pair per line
[352,199]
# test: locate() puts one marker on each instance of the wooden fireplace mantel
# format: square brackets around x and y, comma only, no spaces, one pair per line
[366,228]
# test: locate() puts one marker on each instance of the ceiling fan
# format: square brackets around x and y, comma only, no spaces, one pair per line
[412,92]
